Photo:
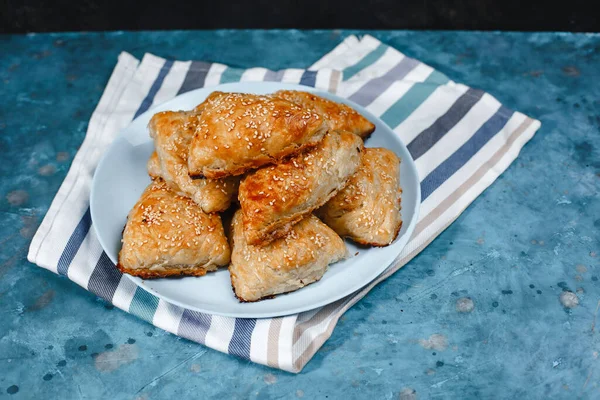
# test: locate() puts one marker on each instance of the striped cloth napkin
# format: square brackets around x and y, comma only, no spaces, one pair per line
[461,138]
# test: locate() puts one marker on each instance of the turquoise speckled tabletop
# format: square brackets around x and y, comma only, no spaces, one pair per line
[503,304]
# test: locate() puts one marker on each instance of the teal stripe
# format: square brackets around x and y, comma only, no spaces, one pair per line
[415,96]
[366,61]
[438,78]
[232,75]
[143,305]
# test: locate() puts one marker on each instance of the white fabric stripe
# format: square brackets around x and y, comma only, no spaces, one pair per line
[457,208]
[383,65]
[334,58]
[44,246]
[353,56]
[323,79]
[398,89]
[253,74]
[167,316]
[259,341]
[390,58]
[220,333]
[124,293]
[460,176]
[483,110]
[85,260]
[418,74]
[286,361]
[213,77]
[310,334]
[130,102]
[172,82]
[292,75]
[305,316]
[429,111]
[388,98]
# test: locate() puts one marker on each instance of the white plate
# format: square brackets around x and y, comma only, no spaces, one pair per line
[121,177]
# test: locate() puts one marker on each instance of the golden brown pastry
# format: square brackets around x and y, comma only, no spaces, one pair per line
[172,132]
[276,197]
[340,116]
[169,235]
[284,265]
[237,132]
[367,210]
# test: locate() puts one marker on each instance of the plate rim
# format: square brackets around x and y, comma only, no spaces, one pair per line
[223,87]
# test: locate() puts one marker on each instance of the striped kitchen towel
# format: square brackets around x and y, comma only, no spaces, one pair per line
[461,138]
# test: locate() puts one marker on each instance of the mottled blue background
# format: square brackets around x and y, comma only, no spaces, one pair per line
[478,314]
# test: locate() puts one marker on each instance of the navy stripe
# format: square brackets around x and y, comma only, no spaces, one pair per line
[194,326]
[195,77]
[105,278]
[147,102]
[242,337]
[430,136]
[74,243]
[373,88]
[453,163]
[309,78]
[274,76]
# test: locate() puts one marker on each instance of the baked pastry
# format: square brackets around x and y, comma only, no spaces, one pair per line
[367,210]
[153,166]
[340,116]
[284,265]
[238,132]
[276,197]
[172,132]
[169,235]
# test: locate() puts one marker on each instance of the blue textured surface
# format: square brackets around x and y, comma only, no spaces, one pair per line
[477,314]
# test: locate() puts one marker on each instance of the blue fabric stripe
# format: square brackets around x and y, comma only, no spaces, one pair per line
[430,136]
[242,337]
[147,102]
[367,60]
[459,158]
[194,326]
[373,88]
[412,99]
[309,78]
[195,77]
[143,305]
[231,75]
[274,76]
[105,278]
[74,243]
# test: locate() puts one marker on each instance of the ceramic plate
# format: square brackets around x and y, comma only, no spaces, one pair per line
[121,177]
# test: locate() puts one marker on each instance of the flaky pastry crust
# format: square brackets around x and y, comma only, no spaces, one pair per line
[172,132]
[238,132]
[274,198]
[367,210]
[340,117]
[284,265]
[169,235]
